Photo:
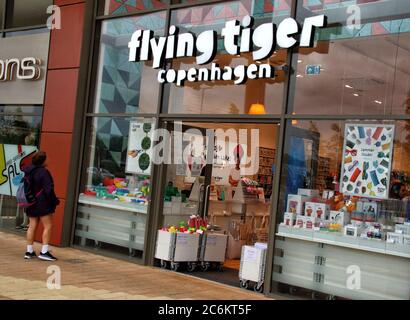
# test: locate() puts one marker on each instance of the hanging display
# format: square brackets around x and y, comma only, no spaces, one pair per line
[140,143]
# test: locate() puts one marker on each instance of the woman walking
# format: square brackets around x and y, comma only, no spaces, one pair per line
[42,210]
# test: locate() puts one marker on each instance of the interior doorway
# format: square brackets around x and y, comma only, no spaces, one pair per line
[223,174]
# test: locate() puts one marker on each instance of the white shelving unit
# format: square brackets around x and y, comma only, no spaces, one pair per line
[320,261]
[112,222]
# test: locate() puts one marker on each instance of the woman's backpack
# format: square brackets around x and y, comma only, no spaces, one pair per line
[25,195]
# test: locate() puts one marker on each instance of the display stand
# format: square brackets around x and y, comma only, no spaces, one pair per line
[112,222]
[320,261]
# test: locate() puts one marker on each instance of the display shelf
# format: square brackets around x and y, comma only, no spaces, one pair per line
[112,204]
[338,239]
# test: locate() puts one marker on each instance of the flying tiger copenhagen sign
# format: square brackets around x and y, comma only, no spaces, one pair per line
[238,37]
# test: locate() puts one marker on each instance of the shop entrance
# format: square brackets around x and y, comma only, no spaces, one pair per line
[221,183]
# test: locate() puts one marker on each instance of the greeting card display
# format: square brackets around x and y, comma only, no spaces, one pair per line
[367,159]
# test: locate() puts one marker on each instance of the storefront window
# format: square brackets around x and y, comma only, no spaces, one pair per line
[19,139]
[116,185]
[22,13]
[362,60]
[111,7]
[224,97]
[220,181]
[123,86]
[1,13]
[344,205]
[26,32]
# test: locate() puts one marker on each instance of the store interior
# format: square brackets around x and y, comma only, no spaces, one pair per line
[239,203]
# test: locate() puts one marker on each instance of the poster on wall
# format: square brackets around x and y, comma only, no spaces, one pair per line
[13,158]
[367,160]
[140,143]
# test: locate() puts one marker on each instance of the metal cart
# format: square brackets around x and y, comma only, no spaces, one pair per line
[213,250]
[252,268]
[177,248]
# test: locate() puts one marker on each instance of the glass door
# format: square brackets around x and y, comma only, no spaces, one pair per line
[220,185]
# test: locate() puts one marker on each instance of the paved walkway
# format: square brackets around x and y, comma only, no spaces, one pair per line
[88,276]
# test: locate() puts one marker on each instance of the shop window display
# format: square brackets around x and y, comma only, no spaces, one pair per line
[123,86]
[19,138]
[345,201]
[115,197]
[216,97]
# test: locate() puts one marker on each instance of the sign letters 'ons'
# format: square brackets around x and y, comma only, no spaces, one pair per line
[23,69]
[238,37]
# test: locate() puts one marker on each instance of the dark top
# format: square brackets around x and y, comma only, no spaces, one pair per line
[43,185]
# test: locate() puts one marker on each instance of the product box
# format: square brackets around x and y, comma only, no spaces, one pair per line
[396,238]
[317,210]
[310,209]
[308,192]
[310,222]
[328,194]
[289,219]
[322,211]
[296,203]
[403,228]
[300,221]
[370,208]
[339,217]
[351,230]
[406,239]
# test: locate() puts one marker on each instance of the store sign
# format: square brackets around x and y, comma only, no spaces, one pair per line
[238,37]
[12,160]
[367,160]
[22,68]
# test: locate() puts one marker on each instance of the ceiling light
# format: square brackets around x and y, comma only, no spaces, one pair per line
[378,101]
[348,86]
[300,61]
[299,76]
[257,108]
[356,94]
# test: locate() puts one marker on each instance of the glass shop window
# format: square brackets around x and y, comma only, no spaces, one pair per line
[23,13]
[261,96]
[1,13]
[113,7]
[19,138]
[116,184]
[123,86]
[345,194]
[358,66]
